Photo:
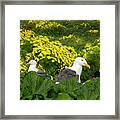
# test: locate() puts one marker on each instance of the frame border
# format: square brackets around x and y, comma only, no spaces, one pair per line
[55,2]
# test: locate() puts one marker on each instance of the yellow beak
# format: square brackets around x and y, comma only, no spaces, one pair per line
[87,65]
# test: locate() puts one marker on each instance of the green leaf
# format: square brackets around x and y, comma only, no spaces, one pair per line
[63,96]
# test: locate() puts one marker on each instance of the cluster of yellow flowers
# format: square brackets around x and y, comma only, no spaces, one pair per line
[55,44]
[42,48]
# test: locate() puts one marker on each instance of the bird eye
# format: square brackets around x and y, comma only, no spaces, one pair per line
[81,60]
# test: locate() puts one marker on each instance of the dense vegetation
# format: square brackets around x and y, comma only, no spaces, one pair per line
[55,45]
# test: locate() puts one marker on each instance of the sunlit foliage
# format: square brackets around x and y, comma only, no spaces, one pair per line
[54,44]
[35,87]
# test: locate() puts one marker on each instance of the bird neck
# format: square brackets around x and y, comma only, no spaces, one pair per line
[32,68]
[77,68]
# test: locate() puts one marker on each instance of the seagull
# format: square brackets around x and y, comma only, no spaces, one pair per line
[76,69]
[32,67]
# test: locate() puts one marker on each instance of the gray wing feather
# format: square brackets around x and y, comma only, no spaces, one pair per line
[66,74]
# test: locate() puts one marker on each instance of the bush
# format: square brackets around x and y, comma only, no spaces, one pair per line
[89,90]
[35,87]
[54,44]
[92,53]
[56,48]
[51,56]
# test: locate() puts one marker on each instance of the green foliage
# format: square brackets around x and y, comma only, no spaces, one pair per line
[92,53]
[89,90]
[63,96]
[54,44]
[35,87]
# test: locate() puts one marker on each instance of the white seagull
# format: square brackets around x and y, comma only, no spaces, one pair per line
[32,67]
[76,69]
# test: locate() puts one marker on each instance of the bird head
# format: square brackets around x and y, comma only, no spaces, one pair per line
[32,62]
[81,61]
